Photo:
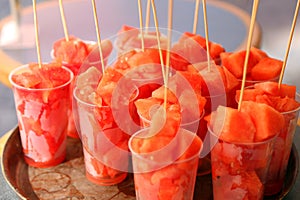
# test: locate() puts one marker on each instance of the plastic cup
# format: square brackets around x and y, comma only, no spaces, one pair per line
[281,153]
[105,144]
[43,119]
[93,59]
[165,173]
[240,169]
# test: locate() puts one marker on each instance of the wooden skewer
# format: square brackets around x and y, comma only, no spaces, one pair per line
[147,21]
[250,34]
[206,34]
[63,19]
[160,51]
[158,37]
[196,12]
[98,35]
[141,25]
[289,44]
[170,26]
[37,41]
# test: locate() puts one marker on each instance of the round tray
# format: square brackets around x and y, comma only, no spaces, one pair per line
[68,180]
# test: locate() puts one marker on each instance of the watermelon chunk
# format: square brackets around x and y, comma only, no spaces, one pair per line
[234,62]
[266,69]
[249,94]
[272,88]
[215,49]
[107,84]
[73,51]
[159,94]
[258,54]
[145,106]
[267,120]
[224,124]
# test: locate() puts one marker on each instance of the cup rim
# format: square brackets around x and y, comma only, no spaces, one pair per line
[38,89]
[163,164]
[297,96]
[182,124]
[91,104]
[243,143]
[274,79]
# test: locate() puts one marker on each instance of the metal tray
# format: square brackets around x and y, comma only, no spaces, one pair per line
[67,180]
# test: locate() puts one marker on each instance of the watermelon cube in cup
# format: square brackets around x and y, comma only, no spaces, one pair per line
[168,172]
[104,145]
[42,102]
[242,145]
[105,141]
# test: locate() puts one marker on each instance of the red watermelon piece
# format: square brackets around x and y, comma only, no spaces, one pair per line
[144,106]
[249,94]
[232,125]
[231,81]
[234,62]
[107,84]
[267,120]
[266,69]
[159,94]
[258,54]
[272,88]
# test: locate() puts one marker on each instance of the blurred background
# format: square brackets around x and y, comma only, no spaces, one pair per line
[274,18]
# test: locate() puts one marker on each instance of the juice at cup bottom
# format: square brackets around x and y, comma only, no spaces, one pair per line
[158,176]
[43,119]
[281,153]
[239,170]
[105,145]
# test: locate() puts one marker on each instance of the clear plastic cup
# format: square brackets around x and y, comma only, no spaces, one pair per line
[240,169]
[93,59]
[43,119]
[281,153]
[105,144]
[167,173]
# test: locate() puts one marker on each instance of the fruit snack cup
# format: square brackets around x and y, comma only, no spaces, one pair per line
[287,102]
[105,143]
[42,101]
[78,55]
[242,145]
[282,150]
[240,169]
[168,172]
